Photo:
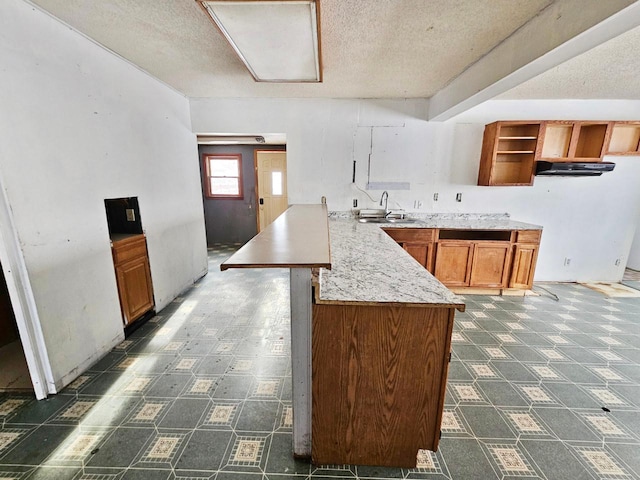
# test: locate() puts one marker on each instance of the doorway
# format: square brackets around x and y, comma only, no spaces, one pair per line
[14,373]
[271,185]
[231,221]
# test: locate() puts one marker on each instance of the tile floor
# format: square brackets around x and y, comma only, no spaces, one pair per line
[203,390]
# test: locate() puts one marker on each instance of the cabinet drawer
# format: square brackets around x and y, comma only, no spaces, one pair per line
[129,249]
[411,235]
[528,236]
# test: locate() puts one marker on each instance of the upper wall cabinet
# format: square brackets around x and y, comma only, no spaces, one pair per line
[510,149]
[508,153]
[573,141]
[625,139]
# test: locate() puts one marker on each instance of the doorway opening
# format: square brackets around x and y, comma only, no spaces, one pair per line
[14,372]
[233,219]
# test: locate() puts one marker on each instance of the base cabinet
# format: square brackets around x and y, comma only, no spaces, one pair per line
[453,263]
[423,253]
[379,378]
[417,242]
[467,259]
[133,277]
[524,262]
[490,265]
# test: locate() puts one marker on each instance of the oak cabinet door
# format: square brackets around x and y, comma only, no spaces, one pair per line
[490,266]
[453,263]
[524,262]
[418,251]
[134,286]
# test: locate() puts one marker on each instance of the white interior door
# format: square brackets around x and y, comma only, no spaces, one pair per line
[271,175]
[23,303]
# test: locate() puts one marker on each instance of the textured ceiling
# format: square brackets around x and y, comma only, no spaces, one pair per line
[370,48]
[610,70]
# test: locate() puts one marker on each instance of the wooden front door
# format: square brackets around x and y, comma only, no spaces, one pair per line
[271,184]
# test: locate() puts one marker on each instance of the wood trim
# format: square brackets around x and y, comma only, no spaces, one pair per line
[207,184]
[255,173]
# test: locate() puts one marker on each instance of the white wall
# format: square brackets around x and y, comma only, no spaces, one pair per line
[80,125]
[634,254]
[589,220]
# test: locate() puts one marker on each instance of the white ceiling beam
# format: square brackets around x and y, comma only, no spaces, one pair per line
[558,33]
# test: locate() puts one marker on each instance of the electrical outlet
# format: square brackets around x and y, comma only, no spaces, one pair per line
[567,261]
[458,197]
[435,197]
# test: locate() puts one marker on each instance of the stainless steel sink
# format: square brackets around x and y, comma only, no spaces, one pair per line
[401,220]
[384,216]
[373,220]
[386,220]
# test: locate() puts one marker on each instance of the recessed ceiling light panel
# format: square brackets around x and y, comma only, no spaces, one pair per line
[278,41]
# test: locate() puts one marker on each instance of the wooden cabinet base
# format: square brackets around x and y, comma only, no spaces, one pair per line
[379,378]
[133,277]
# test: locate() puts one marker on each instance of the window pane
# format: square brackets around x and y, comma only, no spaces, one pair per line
[276,183]
[225,186]
[223,168]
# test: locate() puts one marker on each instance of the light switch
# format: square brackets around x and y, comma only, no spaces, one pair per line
[131,215]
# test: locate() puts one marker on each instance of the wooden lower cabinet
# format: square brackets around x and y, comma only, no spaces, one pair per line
[417,242]
[453,263]
[474,259]
[422,252]
[490,265]
[133,277]
[473,264]
[524,265]
[379,379]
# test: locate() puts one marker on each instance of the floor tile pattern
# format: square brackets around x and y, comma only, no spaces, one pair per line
[538,387]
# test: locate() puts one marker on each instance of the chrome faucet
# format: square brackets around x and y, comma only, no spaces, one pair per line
[384,198]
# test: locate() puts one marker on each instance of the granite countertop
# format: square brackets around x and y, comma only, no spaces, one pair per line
[472,223]
[455,221]
[368,266]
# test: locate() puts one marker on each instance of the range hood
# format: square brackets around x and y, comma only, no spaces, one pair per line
[573,169]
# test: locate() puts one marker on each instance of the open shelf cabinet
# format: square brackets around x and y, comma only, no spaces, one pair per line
[508,153]
[625,139]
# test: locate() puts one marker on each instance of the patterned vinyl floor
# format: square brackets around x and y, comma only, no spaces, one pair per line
[538,388]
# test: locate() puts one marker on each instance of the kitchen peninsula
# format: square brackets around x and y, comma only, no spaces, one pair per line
[379,347]
[381,340]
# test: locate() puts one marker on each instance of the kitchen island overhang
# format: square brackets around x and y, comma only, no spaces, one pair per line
[384,381]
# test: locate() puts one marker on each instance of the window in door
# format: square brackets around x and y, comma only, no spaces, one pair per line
[276,183]
[223,175]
